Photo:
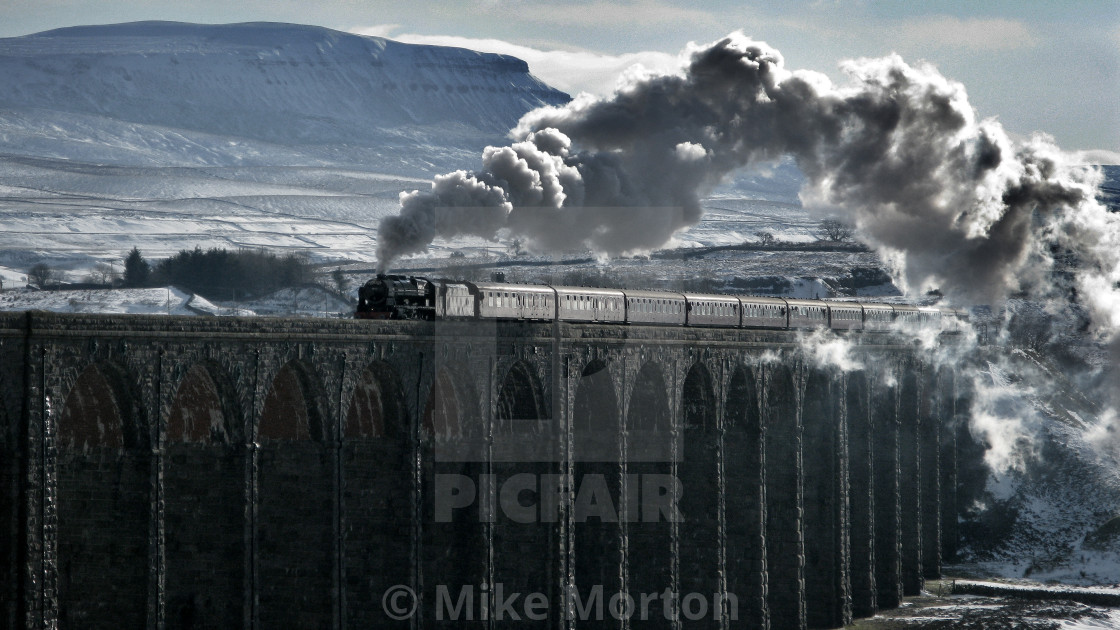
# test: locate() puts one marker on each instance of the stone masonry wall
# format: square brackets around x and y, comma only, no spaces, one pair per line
[167,472]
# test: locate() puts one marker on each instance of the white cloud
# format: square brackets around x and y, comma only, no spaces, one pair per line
[1098,156]
[571,71]
[377,30]
[611,13]
[945,31]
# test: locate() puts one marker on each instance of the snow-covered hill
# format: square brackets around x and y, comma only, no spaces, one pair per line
[173,93]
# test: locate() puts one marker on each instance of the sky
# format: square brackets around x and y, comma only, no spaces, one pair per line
[1037,65]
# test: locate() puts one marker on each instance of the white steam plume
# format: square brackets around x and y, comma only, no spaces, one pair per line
[897,149]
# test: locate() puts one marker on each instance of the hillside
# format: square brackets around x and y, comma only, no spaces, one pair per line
[186,94]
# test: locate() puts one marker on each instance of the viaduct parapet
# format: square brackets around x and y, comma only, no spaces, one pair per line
[167,472]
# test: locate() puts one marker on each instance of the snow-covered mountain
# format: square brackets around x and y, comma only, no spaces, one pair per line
[165,92]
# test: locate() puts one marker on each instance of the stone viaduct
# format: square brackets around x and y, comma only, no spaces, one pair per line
[167,472]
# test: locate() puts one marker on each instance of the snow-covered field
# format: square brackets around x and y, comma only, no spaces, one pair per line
[299,302]
[74,215]
[155,301]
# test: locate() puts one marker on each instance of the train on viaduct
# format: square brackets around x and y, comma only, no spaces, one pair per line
[174,472]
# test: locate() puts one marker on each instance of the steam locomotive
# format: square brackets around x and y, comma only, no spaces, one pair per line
[409,297]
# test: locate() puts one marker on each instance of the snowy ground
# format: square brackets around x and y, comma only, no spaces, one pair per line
[298,302]
[74,216]
[938,609]
[156,301]
[75,213]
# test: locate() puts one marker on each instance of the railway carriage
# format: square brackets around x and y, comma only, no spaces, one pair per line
[929,317]
[763,312]
[704,309]
[807,313]
[907,317]
[656,307]
[877,316]
[845,316]
[953,319]
[499,300]
[586,304]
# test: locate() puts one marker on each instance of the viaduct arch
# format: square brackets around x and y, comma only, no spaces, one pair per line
[300,466]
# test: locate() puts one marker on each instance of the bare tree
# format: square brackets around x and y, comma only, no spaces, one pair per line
[835,230]
[766,239]
[102,274]
[40,275]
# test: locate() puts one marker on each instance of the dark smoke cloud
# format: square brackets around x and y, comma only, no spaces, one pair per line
[950,200]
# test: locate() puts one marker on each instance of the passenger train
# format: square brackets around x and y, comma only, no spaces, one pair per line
[409,297]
